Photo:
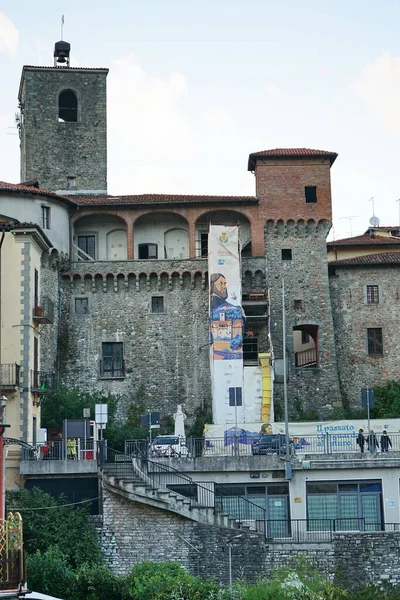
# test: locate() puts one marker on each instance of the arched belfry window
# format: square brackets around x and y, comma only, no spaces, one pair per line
[68,107]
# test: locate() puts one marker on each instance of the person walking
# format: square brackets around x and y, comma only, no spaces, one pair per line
[373,444]
[385,441]
[361,439]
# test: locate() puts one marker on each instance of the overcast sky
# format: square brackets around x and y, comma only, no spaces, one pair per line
[196,85]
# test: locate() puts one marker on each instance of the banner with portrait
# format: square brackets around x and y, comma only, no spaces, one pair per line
[226,323]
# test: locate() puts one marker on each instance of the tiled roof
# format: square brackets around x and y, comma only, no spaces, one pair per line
[27,189]
[365,240]
[108,200]
[289,153]
[384,258]
[65,68]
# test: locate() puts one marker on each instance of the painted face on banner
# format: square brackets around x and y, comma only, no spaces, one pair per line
[220,288]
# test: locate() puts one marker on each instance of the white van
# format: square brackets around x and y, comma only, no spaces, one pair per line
[168,446]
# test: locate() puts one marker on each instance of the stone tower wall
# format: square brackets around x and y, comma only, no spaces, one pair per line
[306,280]
[51,150]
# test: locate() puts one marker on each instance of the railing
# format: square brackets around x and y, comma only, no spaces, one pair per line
[9,375]
[70,449]
[199,495]
[316,531]
[306,358]
[42,382]
[79,254]
[242,445]
[44,312]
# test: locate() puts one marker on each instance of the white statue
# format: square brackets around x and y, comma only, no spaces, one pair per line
[180,418]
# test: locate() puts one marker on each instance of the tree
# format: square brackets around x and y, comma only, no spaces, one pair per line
[68,403]
[387,401]
[46,523]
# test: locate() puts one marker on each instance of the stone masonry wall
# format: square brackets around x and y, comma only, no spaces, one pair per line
[306,280]
[51,150]
[352,316]
[166,355]
[132,533]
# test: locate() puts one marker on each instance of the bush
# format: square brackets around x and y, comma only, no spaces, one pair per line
[166,581]
[50,573]
[97,582]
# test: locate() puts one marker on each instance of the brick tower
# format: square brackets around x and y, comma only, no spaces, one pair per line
[63,126]
[294,191]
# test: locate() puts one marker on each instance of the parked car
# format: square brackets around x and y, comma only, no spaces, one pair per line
[271,444]
[168,446]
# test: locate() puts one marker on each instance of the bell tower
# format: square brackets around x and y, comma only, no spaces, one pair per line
[63,126]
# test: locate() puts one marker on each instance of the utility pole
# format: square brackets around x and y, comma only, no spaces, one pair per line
[288,464]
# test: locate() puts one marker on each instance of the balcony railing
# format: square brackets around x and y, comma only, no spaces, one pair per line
[9,376]
[306,358]
[44,311]
[42,382]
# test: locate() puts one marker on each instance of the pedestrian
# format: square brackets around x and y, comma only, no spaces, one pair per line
[373,444]
[385,441]
[361,439]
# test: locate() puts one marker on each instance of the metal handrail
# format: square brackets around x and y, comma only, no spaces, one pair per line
[167,477]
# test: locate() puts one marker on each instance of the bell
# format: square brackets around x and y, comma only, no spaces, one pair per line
[61,58]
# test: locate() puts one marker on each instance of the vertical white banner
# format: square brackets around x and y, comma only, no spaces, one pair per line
[226,324]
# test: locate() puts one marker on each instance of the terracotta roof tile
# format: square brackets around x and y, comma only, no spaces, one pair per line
[158,199]
[384,258]
[23,188]
[289,153]
[365,240]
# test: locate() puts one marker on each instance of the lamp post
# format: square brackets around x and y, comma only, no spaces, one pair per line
[3,402]
[288,463]
[235,537]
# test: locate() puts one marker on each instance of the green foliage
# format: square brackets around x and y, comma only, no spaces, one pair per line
[49,573]
[387,401]
[165,581]
[67,403]
[202,416]
[65,527]
[95,582]
[117,434]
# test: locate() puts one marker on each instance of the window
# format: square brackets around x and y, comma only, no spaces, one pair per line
[286,254]
[203,244]
[298,304]
[46,217]
[157,304]
[147,251]
[71,182]
[374,338]
[81,306]
[235,396]
[372,294]
[87,243]
[67,107]
[112,363]
[310,192]
[250,349]
[344,506]
[305,337]
[36,289]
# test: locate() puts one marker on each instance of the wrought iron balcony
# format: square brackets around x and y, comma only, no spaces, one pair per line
[42,382]
[9,376]
[44,312]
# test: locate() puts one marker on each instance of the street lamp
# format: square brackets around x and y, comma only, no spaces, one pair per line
[229,543]
[3,402]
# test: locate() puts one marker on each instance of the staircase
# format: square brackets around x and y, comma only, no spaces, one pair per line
[149,482]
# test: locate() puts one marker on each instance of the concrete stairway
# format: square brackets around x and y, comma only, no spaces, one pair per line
[130,482]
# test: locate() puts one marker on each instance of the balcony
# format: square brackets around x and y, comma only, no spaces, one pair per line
[9,376]
[42,382]
[306,358]
[44,312]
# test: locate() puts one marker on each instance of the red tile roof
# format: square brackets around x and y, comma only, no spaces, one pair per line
[289,153]
[366,240]
[384,258]
[27,189]
[160,199]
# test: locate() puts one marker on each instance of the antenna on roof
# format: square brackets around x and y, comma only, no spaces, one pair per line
[374,221]
[350,220]
[398,200]
[62,26]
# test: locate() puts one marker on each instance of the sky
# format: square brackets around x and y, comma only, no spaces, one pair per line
[195,86]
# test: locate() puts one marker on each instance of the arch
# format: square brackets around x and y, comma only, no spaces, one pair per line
[68,107]
[102,235]
[176,243]
[222,217]
[151,237]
